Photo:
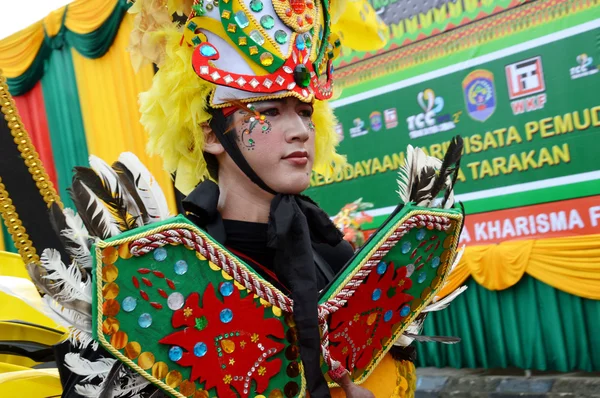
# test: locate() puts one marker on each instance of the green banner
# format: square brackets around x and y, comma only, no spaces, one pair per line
[529,115]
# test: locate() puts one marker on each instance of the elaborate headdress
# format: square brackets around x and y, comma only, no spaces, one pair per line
[245,50]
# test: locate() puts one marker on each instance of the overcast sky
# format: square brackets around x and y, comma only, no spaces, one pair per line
[19,14]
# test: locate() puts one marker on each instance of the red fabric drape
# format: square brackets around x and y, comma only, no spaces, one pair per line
[33,113]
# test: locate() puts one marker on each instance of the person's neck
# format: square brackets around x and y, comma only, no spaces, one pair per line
[243,201]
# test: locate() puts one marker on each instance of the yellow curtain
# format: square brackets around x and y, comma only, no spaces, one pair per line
[570,264]
[108,90]
[18,51]
[2,246]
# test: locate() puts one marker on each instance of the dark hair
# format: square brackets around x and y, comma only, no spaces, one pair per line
[221,125]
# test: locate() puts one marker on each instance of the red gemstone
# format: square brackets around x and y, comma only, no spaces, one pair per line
[422,243]
[418,260]
[171,284]
[298,6]
[434,237]
[309,19]
[288,12]
[144,271]
[300,21]
[429,257]
[136,283]
[159,274]
[163,293]
[437,245]
[420,266]
[147,282]
[413,254]
[310,4]
[156,305]
[144,295]
[429,247]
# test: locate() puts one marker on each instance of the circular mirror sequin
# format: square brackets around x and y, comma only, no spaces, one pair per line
[226,289]
[256,5]
[173,378]
[291,352]
[421,234]
[388,315]
[175,353]
[376,294]
[381,268]
[421,278]
[435,262]
[129,303]
[133,349]
[293,369]
[267,22]
[281,37]
[200,349]
[180,267]
[145,320]
[405,247]
[146,360]
[175,301]
[291,389]
[226,315]
[160,254]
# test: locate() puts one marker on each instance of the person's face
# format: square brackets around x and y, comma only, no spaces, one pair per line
[279,144]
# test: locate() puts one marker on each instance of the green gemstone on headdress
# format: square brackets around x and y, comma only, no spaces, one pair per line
[281,37]
[257,37]
[192,26]
[267,22]
[308,40]
[302,75]
[198,9]
[201,323]
[241,19]
[256,5]
[196,40]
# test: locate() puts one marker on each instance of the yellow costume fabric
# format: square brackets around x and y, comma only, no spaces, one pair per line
[570,264]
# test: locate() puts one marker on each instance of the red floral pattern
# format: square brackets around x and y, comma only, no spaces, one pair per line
[242,346]
[358,330]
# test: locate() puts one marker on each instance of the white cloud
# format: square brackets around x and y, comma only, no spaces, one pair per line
[16,15]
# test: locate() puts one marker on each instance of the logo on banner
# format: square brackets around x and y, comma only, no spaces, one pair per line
[584,67]
[376,122]
[339,130]
[526,86]
[358,129]
[431,120]
[480,95]
[390,117]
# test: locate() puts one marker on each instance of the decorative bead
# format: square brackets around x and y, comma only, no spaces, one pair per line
[435,262]
[388,315]
[226,315]
[160,254]
[175,353]
[308,40]
[228,346]
[257,37]
[226,288]
[298,6]
[241,19]
[145,320]
[231,28]
[300,43]
[175,301]
[381,268]
[422,277]
[200,349]
[410,268]
[201,323]
[421,234]
[266,59]
[302,75]
[267,22]
[256,5]
[180,267]
[376,294]
[406,247]
[404,311]
[129,303]
[281,37]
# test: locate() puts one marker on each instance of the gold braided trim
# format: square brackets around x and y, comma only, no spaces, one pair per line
[25,146]
[16,229]
[100,299]
[458,218]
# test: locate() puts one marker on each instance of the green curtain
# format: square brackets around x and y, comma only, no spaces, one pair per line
[530,326]
[91,45]
[65,122]
[9,245]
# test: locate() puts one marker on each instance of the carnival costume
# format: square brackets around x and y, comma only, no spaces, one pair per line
[170,301]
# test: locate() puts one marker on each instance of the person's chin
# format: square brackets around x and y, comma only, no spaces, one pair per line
[295,184]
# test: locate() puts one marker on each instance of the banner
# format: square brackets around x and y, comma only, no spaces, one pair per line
[529,115]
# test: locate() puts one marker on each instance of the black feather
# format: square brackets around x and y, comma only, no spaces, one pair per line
[128,182]
[59,223]
[87,208]
[435,339]
[450,167]
[111,380]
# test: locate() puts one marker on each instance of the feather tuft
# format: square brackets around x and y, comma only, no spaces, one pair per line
[84,367]
[90,207]
[67,279]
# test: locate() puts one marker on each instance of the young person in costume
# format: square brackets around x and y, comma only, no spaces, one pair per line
[238,112]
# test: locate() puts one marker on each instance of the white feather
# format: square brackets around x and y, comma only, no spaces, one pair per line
[83,367]
[134,383]
[445,302]
[78,234]
[107,174]
[66,317]
[81,339]
[457,258]
[68,279]
[150,192]
[405,176]
[111,227]
[88,390]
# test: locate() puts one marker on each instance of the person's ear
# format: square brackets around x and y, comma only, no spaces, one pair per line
[211,142]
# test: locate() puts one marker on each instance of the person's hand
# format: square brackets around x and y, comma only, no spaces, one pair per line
[353,390]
